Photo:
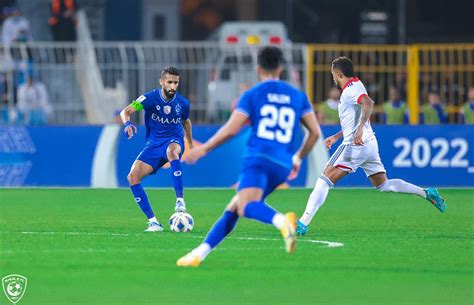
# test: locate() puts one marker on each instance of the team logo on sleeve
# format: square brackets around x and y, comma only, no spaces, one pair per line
[141,98]
[167,109]
[178,109]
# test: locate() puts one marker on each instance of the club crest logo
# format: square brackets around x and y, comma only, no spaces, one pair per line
[158,107]
[167,109]
[14,286]
[178,109]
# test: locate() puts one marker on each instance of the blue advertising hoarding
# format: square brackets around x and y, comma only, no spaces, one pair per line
[440,155]
[63,156]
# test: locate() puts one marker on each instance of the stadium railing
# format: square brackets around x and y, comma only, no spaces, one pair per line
[448,69]
[414,69]
[110,74]
[89,81]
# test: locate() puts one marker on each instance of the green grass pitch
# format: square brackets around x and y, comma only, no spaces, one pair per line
[87,246]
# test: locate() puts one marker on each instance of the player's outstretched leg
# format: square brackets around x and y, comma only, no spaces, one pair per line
[260,211]
[315,201]
[399,186]
[223,227]
[142,199]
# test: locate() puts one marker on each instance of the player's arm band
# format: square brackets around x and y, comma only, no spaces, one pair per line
[137,105]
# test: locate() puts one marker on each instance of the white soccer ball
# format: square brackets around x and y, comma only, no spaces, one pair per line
[181,222]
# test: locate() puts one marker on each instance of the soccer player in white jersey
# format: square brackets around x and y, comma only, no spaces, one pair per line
[358,149]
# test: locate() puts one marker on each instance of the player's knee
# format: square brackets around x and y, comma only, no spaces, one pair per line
[241,207]
[133,178]
[232,205]
[173,155]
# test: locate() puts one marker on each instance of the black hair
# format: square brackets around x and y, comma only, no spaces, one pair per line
[344,64]
[169,70]
[270,58]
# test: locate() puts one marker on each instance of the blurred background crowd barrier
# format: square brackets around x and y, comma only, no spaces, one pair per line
[414,71]
[88,82]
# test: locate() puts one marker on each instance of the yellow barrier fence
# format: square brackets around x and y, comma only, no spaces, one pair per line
[415,70]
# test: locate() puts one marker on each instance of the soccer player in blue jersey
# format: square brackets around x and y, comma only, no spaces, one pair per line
[274,110]
[167,121]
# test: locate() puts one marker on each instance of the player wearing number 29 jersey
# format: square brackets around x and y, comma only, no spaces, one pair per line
[275,110]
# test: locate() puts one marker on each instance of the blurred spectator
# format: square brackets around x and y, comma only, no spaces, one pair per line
[3,5]
[63,20]
[117,119]
[467,111]
[16,28]
[33,102]
[327,111]
[395,109]
[4,105]
[433,111]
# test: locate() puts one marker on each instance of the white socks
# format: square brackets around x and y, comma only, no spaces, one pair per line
[323,184]
[153,219]
[316,199]
[202,250]
[278,220]
[400,186]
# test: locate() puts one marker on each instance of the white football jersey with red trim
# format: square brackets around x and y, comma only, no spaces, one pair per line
[349,111]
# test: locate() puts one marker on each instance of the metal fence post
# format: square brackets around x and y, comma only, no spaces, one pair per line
[413,84]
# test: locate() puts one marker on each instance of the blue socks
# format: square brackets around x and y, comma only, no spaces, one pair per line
[258,210]
[142,200]
[177,177]
[221,228]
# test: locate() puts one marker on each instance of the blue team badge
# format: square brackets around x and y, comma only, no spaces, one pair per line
[158,107]
[178,109]
[167,109]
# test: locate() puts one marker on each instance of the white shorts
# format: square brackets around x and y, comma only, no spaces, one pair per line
[349,157]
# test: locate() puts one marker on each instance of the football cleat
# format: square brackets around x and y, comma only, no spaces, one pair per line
[288,231]
[301,228]
[180,206]
[189,260]
[154,227]
[433,196]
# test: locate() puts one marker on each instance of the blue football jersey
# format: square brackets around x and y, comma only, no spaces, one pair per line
[275,109]
[163,119]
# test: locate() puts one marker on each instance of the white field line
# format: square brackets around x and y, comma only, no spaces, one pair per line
[329,244]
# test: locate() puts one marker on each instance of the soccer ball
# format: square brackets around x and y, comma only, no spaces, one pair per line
[181,222]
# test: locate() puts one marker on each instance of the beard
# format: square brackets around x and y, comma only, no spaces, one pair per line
[169,94]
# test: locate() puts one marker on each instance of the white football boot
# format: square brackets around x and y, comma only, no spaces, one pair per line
[180,206]
[154,227]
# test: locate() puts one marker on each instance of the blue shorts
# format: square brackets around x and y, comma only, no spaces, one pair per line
[263,174]
[154,154]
